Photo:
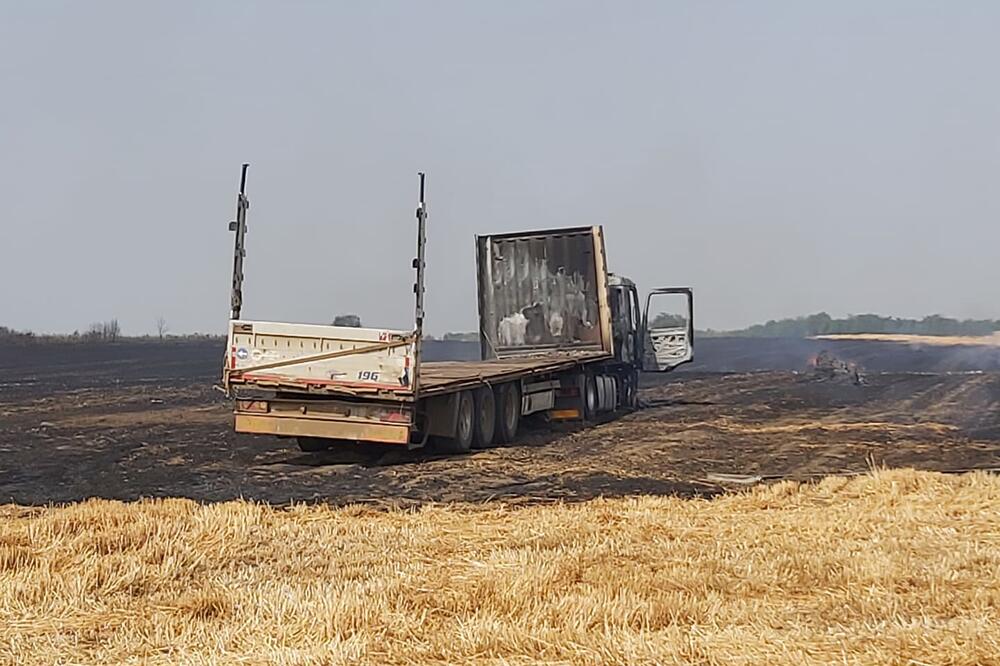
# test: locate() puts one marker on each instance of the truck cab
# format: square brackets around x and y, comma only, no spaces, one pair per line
[654,343]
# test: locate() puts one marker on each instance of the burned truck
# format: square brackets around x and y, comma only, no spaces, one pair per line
[562,339]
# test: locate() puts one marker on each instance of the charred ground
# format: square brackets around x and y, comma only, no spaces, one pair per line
[142,420]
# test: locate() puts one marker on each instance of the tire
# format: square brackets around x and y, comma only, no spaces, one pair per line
[465,426]
[314,444]
[486,419]
[508,412]
[630,397]
[589,397]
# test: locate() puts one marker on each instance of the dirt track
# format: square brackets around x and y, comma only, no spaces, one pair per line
[145,421]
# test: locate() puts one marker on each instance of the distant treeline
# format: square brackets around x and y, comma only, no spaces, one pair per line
[823,324]
[799,327]
[470,336]
[108,333]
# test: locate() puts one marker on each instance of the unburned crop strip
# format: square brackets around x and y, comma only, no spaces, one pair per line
[883,568]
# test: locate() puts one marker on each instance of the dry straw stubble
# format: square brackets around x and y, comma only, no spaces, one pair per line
[886,568]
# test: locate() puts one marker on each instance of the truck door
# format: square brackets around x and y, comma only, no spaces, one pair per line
[668,329]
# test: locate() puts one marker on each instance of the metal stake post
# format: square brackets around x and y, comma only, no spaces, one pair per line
[239,225]
[418,286]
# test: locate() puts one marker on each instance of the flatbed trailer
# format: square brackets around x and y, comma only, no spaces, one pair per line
[562,339]
[440,377]
[305,410]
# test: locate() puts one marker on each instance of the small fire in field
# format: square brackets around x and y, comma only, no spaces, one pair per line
[827,366]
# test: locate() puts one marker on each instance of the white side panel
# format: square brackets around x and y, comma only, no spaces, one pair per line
[328,356]
[666,348]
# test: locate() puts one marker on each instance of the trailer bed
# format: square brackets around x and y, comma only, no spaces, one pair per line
[438,377]
[368,363]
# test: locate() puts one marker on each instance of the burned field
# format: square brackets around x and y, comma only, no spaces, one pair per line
[144,420]
[615,544]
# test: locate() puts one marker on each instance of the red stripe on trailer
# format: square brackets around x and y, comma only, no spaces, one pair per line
[322,382]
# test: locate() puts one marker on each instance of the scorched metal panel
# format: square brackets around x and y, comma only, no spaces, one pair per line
[542,290]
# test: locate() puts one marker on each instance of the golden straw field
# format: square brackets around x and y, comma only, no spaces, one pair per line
[919,340]
[893,567]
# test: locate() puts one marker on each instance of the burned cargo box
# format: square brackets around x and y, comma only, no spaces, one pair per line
[542,291]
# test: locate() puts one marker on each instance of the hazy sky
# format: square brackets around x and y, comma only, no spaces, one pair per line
[780,157]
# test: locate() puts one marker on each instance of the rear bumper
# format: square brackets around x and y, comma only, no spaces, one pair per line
[329,419]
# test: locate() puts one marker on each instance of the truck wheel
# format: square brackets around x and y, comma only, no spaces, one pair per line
[465,426]
[589,397]
[631,396]
[508,412]
[486,418]
[314,444]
